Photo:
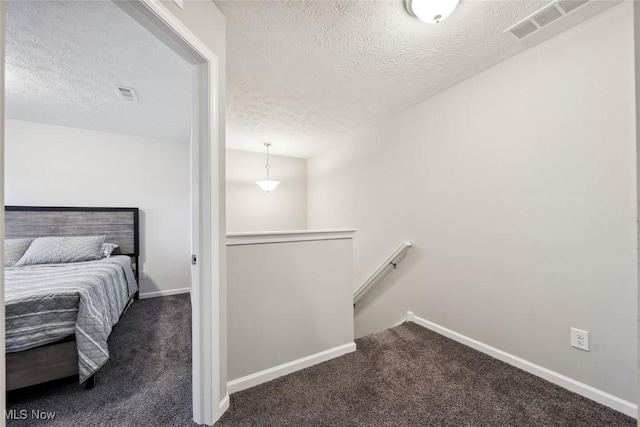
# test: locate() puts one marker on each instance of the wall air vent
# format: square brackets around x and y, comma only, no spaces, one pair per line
[126,93]
[543,17]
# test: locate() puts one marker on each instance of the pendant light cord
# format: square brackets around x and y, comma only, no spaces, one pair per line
[267,166]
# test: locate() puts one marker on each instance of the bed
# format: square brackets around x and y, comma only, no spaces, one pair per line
[59,315]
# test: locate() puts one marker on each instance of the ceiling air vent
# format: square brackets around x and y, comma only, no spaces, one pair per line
[570,5]
[523,30]
[543,17]
[127,93]
[547,16]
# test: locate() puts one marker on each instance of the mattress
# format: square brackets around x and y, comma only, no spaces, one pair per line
[46,303]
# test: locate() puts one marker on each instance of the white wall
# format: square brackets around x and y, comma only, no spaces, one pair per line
[517,188]
[251,209]
[62,166]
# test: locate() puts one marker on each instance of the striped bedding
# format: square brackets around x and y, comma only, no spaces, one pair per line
[45,303]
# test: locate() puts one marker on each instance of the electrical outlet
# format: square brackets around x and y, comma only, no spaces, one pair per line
[580,339]
[143,274]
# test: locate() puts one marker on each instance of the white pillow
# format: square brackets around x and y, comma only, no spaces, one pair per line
[14,249]
[55,250]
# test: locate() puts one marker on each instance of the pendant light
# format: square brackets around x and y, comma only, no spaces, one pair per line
[431,11]
[268,185]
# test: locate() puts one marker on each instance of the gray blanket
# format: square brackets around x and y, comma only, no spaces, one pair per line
[45,303]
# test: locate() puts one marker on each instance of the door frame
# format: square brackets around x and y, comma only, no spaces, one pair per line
[3,387]
[208,293]
[636,53]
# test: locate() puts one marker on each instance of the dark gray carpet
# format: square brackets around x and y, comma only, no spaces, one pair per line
[410,376]
[405,376]
[146,382]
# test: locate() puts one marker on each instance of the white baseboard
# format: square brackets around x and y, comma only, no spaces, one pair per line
[288,368]
[165,293]
[563,381]
[224,404]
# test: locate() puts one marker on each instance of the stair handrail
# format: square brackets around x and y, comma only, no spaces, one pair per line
[389,264]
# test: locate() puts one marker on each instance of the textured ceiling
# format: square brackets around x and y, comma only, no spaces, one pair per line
[301,74]
[304,75]
[64,59]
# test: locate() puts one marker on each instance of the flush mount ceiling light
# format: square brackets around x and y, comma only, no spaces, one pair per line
[268,185]
[431,11]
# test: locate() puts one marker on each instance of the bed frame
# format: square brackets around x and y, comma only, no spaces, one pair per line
[120,225]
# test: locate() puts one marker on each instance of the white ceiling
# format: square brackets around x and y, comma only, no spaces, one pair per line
[301,74]
[64,60]
[306,74]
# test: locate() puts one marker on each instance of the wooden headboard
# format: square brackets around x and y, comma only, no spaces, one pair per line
[119,225]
